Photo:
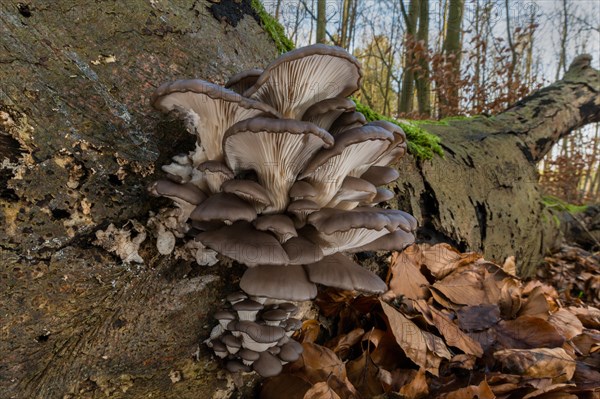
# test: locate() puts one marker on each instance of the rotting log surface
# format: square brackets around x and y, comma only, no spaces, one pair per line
[483,195]
[79,143]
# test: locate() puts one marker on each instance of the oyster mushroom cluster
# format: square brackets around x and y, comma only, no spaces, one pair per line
[252,336]
[285,176]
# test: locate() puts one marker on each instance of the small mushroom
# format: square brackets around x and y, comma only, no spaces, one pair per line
[325,112]
[215,174]
[232,343]
[301,209]
[223,207]
[248,356]
[247,309]
[288,307]
[210,108]
[236,297]
[219,348]
[302,77]
[302,190]
[287,283]
[224,317]
[267,365]
[291,325]
[177,192]
[347,121]
[259,337]
[235,366]
[289,353]
[242,242]
[396,241]
[240,82]
[276,149]
[380,175]
[274,316]
[339,271]
[250,191]
[279,225]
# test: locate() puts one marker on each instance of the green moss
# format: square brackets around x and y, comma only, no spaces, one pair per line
[557,204]
[273,28]
[421,144]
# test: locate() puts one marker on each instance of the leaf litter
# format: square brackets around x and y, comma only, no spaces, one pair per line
[454,325]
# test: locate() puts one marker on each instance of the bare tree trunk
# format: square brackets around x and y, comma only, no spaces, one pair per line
[422,77]
[321,21]
[452,49]
[408,77]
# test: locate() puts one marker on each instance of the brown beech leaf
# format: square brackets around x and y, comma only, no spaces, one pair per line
[510,298]
[343,388]
[463,361]
[423,348]
[441,259]
[478,318]
[284,386]
[510,266]
[341,344]
[331,301]
[589,316]
[586,341]
[417,388]
[363,373]
[552,363]
[442,299]
[463,287]
[316,363]
[406,279]
[309,332]
[553,391]
[528,332]
[481,391]
[566,323]
[320,391]
[450,331]
[535,304]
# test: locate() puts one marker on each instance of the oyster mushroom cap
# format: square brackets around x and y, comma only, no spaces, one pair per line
[352,191]
[215,174]
[383,194]
[380,175]
[242,242]
[267,365]
[302,190]
[210,108]
[347,121]
[280,225]
[396,241]
[276,149]
[287,283]
[242,81]
[325,112]
[398,148]
[339,271]
[178,192]
[223,207]
[249,191]
[301,251]
[354,151]
[302,77]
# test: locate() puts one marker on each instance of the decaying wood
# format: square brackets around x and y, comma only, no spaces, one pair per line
[79,144]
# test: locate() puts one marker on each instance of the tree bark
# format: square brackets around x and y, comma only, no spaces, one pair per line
[452,49]
[79,144]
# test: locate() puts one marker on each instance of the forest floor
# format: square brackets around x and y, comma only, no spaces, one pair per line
[454,325]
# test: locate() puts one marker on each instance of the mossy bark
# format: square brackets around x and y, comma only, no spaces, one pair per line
[79,144]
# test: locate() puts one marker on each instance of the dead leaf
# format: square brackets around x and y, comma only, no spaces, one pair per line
[463,361]
[510,266]
[463,287]
[552,363]
[481,391]
[406,279]
[316,363]
[424,349]
[417,388]
[566,323]
[363,373]
[286,386]
[589,316]
[320,391]
[554,391]
[478,318]
[309,332]
[342,343]
[441,259]
[535,304]
[510,298]
[586,342]
[528,332]
[450,331]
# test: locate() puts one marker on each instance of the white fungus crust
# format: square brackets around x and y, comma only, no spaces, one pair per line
[285,177]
